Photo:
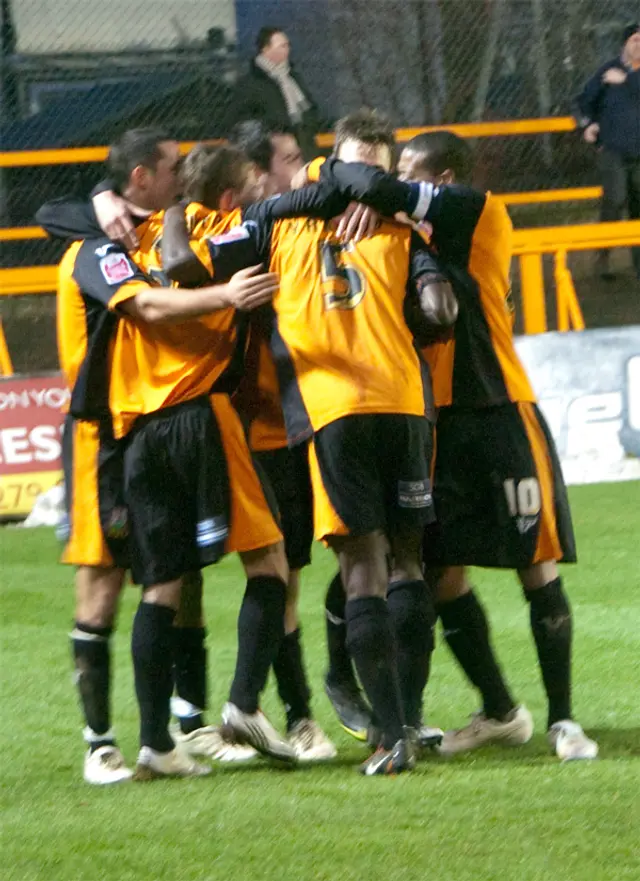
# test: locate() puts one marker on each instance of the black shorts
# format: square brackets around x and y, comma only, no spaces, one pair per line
[177,490]
[499,494]
[370,472]
[95,530]
[288,473]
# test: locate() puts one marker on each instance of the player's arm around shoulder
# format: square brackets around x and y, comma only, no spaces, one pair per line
[183,259]
[431,306]
[229,258]
[106,274]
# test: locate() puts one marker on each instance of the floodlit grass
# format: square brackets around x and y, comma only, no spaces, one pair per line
[517,815]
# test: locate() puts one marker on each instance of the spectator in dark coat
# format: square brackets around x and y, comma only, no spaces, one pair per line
[273,92]
[610,107]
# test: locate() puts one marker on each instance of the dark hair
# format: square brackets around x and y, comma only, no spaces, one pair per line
[138,146]
[442,150]
[629,31]
[367,126]
[208,171]
[253,137]
[264,37]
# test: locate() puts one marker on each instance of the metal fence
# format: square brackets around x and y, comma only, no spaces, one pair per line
[78,72]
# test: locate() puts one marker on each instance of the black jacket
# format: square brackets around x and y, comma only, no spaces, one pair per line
[258,96]
[616,109]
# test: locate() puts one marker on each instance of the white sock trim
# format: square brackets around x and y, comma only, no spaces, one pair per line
[90,735]
[183,709]
[83,636]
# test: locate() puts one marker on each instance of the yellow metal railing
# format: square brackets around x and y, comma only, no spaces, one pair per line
[501,128]
[529,247]
[6,365]
[68,155]
[19,233]
[531,244]
[22,280]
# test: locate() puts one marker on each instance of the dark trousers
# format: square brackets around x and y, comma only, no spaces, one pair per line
[621,184]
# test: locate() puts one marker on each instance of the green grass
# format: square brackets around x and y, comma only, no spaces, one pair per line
[515,815]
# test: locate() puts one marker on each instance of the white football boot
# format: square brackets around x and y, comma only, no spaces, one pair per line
[211,742]
[256,730]
[106,765]
[513,731]
[310,743]
[569,742]
[153,765]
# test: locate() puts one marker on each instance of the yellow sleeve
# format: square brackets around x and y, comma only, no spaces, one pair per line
[127,292]
[313,169]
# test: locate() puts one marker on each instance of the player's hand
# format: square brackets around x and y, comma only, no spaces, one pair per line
[114,219]
[249,288]
[300,178]
[591,133]
[358,222]
[615,76]
[423,227]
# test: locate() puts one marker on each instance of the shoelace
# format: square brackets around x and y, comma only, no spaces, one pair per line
[476,721]
[306,735]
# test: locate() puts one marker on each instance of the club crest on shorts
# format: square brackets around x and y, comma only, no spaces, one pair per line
[414,494]
[118,525]
[526,523]
[116,268]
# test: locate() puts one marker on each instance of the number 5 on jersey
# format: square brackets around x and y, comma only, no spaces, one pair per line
[343,286]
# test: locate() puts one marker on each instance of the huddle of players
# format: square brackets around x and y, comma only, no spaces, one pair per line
[152,437]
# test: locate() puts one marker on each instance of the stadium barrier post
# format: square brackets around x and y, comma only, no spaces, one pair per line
[569,313]
[532,288]
[6,365]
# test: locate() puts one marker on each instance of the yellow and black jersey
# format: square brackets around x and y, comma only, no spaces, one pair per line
[91,275]
[339,340]
[258,396]
[127,368]
[200,221]
[472,241]
[472,237]
[158,366]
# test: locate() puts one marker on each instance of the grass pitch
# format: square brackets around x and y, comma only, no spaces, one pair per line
[496,815]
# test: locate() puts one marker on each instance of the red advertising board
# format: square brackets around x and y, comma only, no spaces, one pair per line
[32,410]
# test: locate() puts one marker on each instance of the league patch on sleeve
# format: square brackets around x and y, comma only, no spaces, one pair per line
[116,268]
[237,234]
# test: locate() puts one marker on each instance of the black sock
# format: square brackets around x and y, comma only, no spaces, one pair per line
[151,648]
[92,659]
[190,673]
[413,617]
[291,679]
[371,644]
[340,667]
[466,631]
[552,631]
[260,632]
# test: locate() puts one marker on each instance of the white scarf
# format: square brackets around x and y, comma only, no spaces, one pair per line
[291,91]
